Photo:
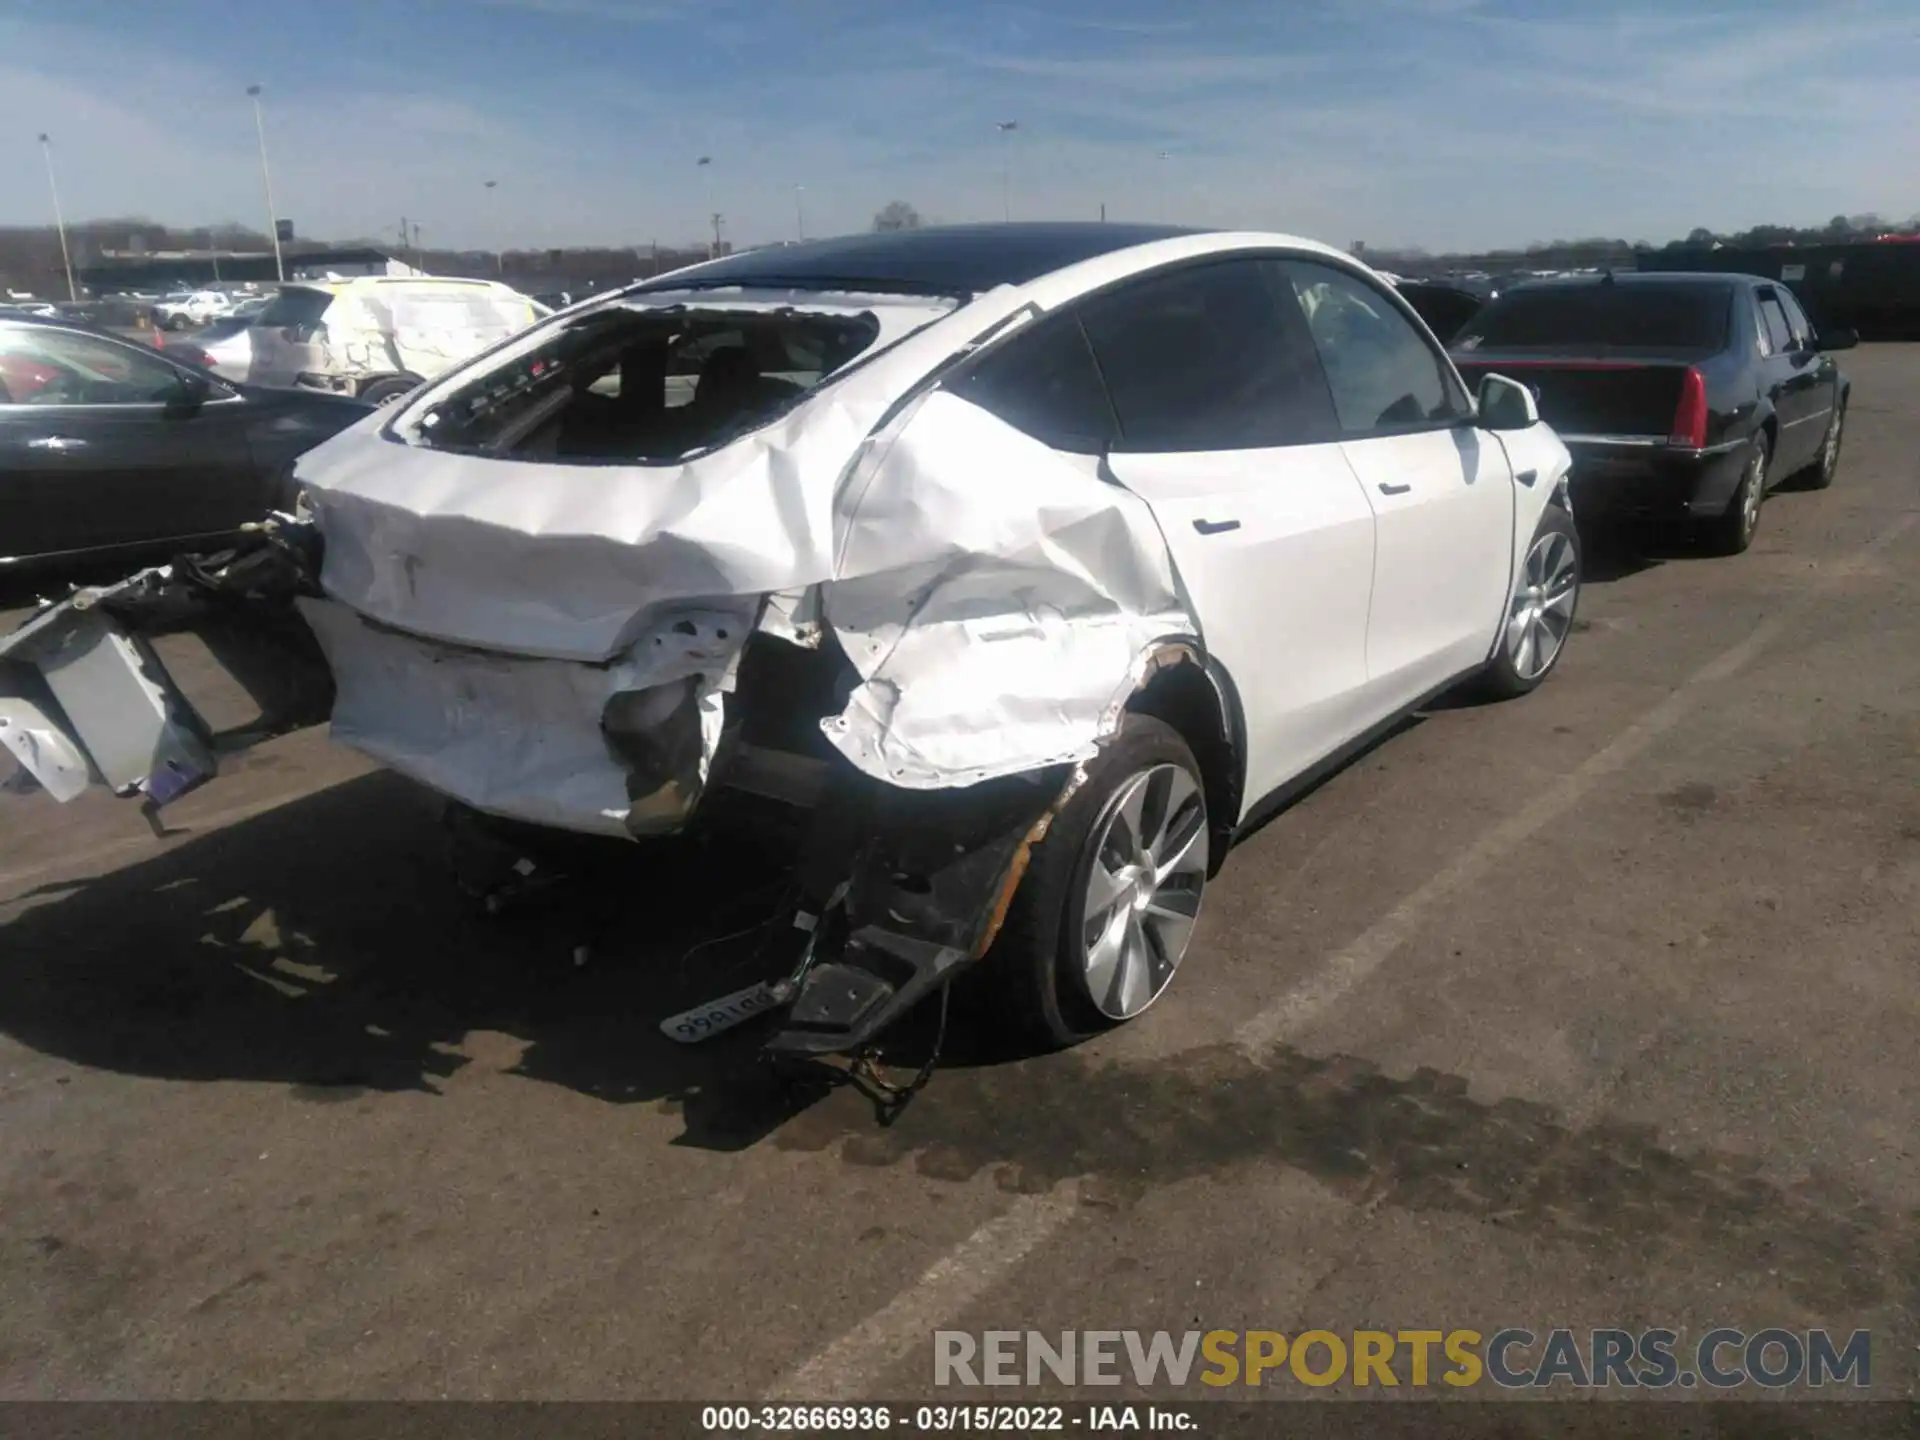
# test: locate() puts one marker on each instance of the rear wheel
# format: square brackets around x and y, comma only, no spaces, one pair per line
[1820,474]
[1105,913]
[385,392]
[1731,533]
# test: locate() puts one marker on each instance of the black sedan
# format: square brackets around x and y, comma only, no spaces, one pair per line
[1687,396]
[107,446]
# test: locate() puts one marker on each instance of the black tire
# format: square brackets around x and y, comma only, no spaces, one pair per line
[1032,981]
[1504,677]
[1732,533]
[385,392]
[1826,465]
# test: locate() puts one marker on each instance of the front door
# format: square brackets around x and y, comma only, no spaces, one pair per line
[1440,489]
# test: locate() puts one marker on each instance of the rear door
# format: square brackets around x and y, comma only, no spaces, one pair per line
[1440,488]
[1816,377]
[1791,377]
[102,452]
[1226,429]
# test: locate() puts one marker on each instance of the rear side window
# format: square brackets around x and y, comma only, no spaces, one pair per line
[1044,383]
[293,307]
[1208,358]
[1684,318]
[1384,374]
[1796,319]
[1779,333]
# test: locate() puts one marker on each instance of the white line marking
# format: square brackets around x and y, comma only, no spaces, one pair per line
[861,1358]
[1348,968]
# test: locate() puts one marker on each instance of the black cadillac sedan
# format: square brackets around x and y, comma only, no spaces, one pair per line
[107,446]
[1685,396]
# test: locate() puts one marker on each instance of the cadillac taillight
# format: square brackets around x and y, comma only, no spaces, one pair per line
[1690,416]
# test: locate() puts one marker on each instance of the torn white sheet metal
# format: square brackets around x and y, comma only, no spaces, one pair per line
[1014,633]
[42,747]
[527,738]
[568,560]
[108,686]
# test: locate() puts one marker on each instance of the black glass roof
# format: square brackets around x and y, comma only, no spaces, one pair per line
[944,260]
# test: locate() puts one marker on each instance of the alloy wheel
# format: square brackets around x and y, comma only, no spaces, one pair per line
[1752,492]
[1143,888]
[1830,452]
[1542,609]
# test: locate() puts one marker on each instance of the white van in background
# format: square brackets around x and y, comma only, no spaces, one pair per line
[376,337]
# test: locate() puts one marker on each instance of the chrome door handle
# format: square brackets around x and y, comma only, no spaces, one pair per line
[1386,489]
[55,442]
[1215,527]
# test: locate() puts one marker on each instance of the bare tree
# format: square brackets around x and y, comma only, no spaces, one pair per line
[897,215]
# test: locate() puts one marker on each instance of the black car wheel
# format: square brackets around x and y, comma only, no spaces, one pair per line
[1103,918]
[385,392]
[1820,474]
[1731,533]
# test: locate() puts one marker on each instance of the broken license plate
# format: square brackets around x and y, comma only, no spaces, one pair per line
[716,1017]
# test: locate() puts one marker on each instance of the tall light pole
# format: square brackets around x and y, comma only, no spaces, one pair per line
[1006,129]
[705,166]
[500,255]
[799,214]
[266,176]
[59,220]
[1161,171]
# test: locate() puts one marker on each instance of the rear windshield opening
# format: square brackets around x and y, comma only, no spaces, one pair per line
[1604,317]
[294,307]
[646,387]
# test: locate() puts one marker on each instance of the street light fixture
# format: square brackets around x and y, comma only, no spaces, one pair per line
[59,221]
[499,256]
[1006,129]
[705,166]
[266,176]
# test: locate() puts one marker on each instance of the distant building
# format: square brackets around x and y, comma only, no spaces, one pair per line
[154,270]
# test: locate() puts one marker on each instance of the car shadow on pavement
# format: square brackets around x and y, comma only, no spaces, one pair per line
[324,945]
[321,946]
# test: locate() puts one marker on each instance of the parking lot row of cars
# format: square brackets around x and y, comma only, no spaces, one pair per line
[1018,569]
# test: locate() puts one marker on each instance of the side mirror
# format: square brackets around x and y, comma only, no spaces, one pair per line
[1838,338]
[1506,404]
[186,401]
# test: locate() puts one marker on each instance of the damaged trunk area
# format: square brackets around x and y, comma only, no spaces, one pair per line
[647,385]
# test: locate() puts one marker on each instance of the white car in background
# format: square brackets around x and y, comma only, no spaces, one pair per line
[186,308]
[376,337]
[1030,564]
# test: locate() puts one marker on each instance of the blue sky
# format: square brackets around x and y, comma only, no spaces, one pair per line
[1446,123]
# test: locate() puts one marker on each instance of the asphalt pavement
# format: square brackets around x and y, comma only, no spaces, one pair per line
[1591,1009]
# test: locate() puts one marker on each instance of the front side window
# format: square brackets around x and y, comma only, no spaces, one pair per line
[1044,382]
[57,367]
[1208,358]
[1383,373]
